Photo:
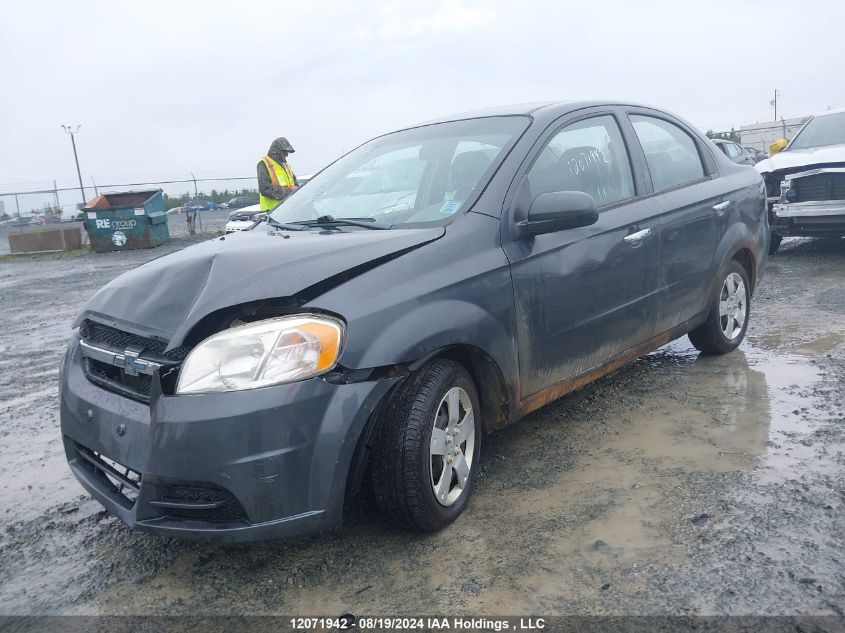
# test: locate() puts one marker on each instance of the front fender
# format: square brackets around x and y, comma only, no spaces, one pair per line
[438,325]
[453,292]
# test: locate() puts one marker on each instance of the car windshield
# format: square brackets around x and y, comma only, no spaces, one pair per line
[827,129]
[422,176]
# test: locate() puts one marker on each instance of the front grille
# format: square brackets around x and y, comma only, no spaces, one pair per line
[201,502]
[820,187]
[124,482]
[115,378]
[100,335]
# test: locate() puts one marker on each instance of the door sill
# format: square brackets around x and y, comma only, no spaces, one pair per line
[560,389]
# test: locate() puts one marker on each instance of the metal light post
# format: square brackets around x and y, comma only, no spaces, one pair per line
[774,103]
[75,130]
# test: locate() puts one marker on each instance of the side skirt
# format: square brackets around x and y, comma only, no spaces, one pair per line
[560,389]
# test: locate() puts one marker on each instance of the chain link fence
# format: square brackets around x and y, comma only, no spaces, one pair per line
[36,210]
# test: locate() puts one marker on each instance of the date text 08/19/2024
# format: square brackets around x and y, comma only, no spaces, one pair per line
[351,622]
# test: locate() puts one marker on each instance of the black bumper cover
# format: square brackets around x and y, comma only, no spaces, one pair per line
[273,461]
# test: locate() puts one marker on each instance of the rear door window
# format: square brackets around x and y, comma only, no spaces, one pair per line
[671,153]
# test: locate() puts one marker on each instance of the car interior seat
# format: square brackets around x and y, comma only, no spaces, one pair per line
[466,171]
[586,169]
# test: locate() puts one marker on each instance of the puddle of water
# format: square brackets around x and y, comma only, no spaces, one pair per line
[736,413]
[820,345]
[750,409]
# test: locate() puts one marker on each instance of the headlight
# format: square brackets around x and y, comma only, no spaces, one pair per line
[263,353]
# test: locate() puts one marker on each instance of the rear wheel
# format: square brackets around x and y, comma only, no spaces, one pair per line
[424,464]
[774,243]
[727,318]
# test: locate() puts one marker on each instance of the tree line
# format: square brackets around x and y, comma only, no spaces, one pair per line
[217,197]
[733,135]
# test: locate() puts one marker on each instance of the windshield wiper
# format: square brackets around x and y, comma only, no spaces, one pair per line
[287,227]
[330,220]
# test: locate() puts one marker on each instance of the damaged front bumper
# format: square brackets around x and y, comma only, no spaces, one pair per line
[234,466]
[821,208]
[809,219]
[811,203]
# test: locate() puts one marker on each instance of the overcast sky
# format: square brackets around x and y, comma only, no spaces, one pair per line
[165,88]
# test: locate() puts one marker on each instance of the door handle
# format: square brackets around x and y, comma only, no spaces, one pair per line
[639,236]
[721,207]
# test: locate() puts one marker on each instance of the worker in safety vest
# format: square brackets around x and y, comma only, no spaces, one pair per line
[275,177]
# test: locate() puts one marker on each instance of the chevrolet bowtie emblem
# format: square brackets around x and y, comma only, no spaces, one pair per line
[133,365]
[128,361]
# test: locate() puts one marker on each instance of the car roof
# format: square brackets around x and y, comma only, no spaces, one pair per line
[514,109]
[552,108]
[543,112]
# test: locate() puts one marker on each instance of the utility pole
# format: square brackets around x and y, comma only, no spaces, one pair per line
[199,215]
[56,195]
[69,129]
[774,103]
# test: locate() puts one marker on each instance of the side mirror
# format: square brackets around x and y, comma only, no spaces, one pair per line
[778,146]
[558,211]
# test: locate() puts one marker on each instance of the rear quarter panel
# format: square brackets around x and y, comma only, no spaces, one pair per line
[745,225]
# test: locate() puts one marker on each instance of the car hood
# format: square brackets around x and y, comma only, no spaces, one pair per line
[166,297]
[791,158]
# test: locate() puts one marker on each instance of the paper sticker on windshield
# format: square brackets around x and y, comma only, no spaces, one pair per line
[449,207]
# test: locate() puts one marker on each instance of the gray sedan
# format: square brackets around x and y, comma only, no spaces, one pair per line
[430,287]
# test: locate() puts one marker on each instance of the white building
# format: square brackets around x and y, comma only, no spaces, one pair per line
[761,135]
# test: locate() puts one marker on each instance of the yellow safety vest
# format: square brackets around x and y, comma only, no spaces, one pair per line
[281,176]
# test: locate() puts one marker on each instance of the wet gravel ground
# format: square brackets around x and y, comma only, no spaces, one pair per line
[677,485]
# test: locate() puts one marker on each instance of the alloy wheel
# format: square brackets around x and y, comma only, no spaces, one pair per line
[452,447]
[732,306]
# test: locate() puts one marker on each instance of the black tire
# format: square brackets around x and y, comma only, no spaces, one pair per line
[774,243]
[709,338]
[401,463]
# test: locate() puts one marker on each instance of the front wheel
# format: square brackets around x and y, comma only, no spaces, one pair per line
[774,243]
[727,318]
[426,458]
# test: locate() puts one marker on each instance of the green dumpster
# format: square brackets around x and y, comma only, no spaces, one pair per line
[128,220]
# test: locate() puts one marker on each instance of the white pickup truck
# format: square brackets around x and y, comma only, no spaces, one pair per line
[805,183]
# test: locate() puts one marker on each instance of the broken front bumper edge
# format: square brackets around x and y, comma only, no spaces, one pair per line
[273,461]
[810,209]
